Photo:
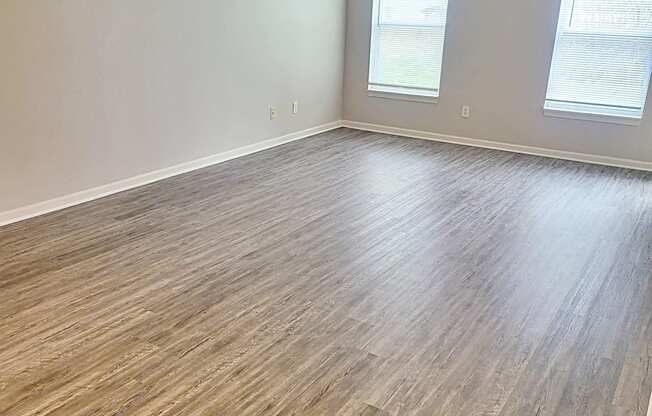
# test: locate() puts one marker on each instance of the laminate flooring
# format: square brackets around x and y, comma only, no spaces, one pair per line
[350,273]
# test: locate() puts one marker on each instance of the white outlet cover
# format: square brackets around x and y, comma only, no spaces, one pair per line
[466,111]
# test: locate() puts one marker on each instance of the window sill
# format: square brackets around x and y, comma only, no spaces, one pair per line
[588,113]
[404,94]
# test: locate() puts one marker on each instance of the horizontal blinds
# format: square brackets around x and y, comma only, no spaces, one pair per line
[632,17]
[413,12]
[407,43]
[603,55]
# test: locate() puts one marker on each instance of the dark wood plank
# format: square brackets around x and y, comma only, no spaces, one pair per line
[347,274]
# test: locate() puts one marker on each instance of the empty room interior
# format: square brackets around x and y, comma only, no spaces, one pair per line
[325,207]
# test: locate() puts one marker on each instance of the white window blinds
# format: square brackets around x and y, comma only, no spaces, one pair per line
[602,59]
[407,46]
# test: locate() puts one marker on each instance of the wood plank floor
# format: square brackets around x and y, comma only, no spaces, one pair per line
[350,274]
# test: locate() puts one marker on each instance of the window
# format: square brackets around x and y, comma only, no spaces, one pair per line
[601,64]
[407,48]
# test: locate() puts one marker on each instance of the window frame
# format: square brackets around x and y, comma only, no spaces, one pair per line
[396,92]
[611,114]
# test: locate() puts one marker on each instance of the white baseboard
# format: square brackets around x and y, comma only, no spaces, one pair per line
[20,214]
[41,208]
[515,148]
[649,409]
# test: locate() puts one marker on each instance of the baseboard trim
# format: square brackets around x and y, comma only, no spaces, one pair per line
[41,208]
[649,408]
[514,148]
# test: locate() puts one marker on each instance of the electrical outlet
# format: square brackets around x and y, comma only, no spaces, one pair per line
[273,113]
[295,107]
[466,111]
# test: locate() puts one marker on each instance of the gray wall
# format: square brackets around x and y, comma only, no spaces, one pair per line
[496,59]
[92,92]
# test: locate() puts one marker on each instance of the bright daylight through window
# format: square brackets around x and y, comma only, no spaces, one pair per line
[407,47]
[602,58]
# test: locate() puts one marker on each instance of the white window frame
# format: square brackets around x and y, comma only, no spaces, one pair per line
[397,92]
[590,112]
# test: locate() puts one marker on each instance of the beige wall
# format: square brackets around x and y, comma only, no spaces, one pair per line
[96,91]
[496,60]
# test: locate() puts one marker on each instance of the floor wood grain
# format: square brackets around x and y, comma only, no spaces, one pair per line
[351,274]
